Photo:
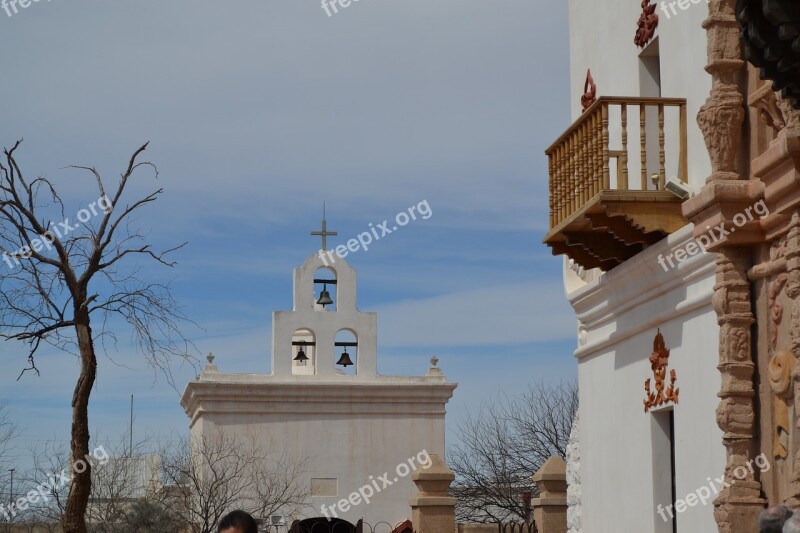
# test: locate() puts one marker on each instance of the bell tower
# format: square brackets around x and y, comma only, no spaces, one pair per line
[324,333]
[343,422]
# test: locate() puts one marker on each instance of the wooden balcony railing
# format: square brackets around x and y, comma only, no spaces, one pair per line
[580,160]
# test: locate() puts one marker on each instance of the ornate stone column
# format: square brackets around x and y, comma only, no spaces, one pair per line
[722,116]
[721,119]
[739,503]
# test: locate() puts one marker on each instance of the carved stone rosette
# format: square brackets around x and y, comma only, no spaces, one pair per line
[739,504]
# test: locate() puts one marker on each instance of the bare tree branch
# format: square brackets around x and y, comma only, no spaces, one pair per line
[214,474]
[502,446]
[63,283]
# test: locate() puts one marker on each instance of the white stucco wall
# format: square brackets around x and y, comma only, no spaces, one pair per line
[346,430]
[624,468]
[601,38]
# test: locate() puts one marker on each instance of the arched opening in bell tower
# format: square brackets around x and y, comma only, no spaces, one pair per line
[304,352]
[325,293]
[346,351]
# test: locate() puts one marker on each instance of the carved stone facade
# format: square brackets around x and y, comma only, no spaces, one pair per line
[757,276]
[729,191]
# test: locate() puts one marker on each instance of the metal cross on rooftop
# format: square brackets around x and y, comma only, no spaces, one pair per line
[324,233]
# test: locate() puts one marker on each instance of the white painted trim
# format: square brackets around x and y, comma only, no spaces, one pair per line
[641,279]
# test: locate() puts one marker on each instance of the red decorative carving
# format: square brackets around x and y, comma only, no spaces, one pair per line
[659,360]
[589,91]
[647,24]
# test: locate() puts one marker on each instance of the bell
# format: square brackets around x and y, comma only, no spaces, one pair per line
[301,357]
[344,360]
[325,297]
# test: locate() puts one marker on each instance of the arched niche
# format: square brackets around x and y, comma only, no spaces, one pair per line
[346,341]
[325,280]
[304,339]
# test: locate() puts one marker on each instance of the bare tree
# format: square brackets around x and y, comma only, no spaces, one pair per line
[8,432]
[214,474]
[128,475]
[125,485]
[49,465]
[502,445]
[149,515]
[65,283]
[275,485]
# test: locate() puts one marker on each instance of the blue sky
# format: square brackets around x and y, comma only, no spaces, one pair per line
[257,112]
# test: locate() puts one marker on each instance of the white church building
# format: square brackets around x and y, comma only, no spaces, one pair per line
[326,402]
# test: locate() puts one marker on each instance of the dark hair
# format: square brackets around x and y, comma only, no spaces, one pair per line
[238,520]
[772,518]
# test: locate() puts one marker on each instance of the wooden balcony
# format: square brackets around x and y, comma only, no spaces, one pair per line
[607,197]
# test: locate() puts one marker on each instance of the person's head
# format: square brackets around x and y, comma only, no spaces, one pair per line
[792,525]
[238,522]
[772,518]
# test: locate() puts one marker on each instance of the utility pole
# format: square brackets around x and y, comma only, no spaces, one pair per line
[130,447]
[11,496]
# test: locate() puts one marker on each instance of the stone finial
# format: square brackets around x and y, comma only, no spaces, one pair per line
[210,367]
[434,480]
[550,508]
[433,509]
[551,478]
[434,370]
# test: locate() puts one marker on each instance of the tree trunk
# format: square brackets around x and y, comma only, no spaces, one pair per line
[74,520]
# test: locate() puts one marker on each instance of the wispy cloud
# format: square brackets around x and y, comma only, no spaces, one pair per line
[491,315]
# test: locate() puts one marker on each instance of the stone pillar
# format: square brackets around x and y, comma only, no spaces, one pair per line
[550,508]
[739,504]
[433,510]
[721,119]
